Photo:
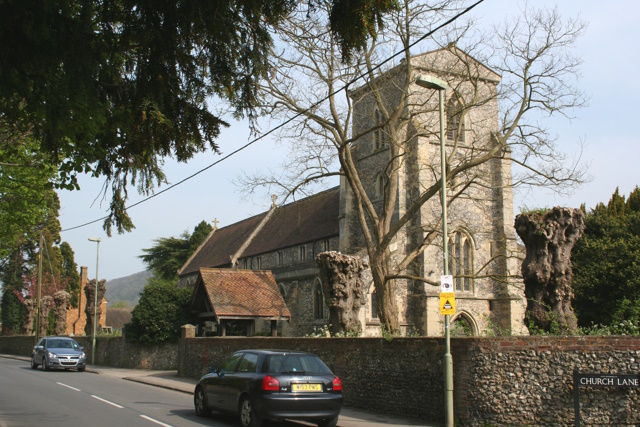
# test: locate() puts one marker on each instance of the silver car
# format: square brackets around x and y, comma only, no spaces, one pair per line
[58,352]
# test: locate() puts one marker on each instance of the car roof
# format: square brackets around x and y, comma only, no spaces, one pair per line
[274,351]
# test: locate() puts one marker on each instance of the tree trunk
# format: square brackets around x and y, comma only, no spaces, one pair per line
[343,287]
[89,291]
[385,292]
[546,269]
[45,307]
[61,301]
[31,309]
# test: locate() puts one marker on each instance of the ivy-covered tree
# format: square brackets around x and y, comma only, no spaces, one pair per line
[606,263]
[161,311]
[169,254]
[70,272]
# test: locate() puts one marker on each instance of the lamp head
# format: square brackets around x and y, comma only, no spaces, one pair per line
[94,239]
[431,82]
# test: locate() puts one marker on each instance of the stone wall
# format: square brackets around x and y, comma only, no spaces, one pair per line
[519,381]
[513,381]
[110,351]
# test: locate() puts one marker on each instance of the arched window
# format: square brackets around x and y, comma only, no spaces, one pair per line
[374,305]
[379,138]
[380,182]
[455,121]
[318,301]
[461,261]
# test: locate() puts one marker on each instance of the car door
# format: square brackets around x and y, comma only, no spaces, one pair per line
[217,382]
[240,381]
[39,351]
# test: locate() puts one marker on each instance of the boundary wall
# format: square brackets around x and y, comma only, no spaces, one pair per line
[505,381]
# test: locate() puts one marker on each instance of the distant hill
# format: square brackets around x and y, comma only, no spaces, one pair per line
[127,288]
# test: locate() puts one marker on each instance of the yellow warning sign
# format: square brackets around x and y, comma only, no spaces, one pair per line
[447,303]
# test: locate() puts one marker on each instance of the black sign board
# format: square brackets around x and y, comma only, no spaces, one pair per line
[601,381]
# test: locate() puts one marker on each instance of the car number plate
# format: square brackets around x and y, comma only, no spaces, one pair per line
[306,387]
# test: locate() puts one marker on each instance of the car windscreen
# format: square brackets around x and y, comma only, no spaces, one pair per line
[62,344]
[295,363]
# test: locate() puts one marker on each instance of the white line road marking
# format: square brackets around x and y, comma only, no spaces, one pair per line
[68,386]
[155,421]
[106,401]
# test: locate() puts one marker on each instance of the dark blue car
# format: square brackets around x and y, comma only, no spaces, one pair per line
[271,385]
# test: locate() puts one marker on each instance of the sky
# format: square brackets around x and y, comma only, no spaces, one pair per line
[611,150]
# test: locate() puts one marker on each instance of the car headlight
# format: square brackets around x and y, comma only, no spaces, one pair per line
[52,355]
[83,356]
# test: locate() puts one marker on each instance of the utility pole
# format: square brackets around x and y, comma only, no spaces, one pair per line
[38,298]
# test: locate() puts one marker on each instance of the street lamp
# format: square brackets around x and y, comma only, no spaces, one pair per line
[430,82]
[95,301]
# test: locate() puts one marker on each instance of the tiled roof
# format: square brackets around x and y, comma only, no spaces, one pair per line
[243,293]
[306,220]
[118,317]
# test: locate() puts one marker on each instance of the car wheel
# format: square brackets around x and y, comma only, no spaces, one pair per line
[329,422]
[248,416]
[81,369]
[200,402]
[33,364]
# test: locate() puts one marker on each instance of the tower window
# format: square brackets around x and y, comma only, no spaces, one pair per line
[455,122]
[461,261]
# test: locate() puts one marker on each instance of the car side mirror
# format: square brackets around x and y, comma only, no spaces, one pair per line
[213,370]
[82,348]
[39,347]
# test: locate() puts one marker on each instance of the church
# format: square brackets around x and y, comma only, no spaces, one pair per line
[275,286]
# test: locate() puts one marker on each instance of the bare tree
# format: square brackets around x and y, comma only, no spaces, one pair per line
[327,129]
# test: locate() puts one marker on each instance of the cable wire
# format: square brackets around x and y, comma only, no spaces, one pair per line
[286,122]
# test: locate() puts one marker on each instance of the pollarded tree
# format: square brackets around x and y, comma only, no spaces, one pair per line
[533,55]
[606,263]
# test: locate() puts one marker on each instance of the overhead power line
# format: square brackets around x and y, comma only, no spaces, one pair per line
[286,122]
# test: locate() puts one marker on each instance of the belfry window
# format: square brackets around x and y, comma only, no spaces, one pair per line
[455,121]
[461,261]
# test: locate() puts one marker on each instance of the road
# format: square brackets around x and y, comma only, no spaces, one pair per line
[105,396]
[68,398]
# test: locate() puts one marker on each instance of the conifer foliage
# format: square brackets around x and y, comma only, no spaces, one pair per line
[606,263]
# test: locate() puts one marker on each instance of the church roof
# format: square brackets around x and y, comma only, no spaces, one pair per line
[306,220]
[242,293]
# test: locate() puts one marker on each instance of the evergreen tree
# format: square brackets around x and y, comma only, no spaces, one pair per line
[70,272]
[161,311]
[606,263]
[169,254]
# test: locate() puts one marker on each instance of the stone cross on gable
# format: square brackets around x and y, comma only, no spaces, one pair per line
[274,198]
[215,223]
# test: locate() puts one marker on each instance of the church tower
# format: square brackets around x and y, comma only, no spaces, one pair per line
[397,157]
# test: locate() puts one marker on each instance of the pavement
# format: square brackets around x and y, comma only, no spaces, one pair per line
[349,417]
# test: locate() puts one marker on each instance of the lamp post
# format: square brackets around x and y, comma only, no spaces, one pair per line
[95,301]
[430,82]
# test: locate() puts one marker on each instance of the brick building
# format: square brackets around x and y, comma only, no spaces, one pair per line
[76,317]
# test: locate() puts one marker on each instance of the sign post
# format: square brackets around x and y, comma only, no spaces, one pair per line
[447,296]
[599,380]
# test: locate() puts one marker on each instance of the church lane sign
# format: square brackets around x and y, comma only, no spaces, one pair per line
[601,381]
